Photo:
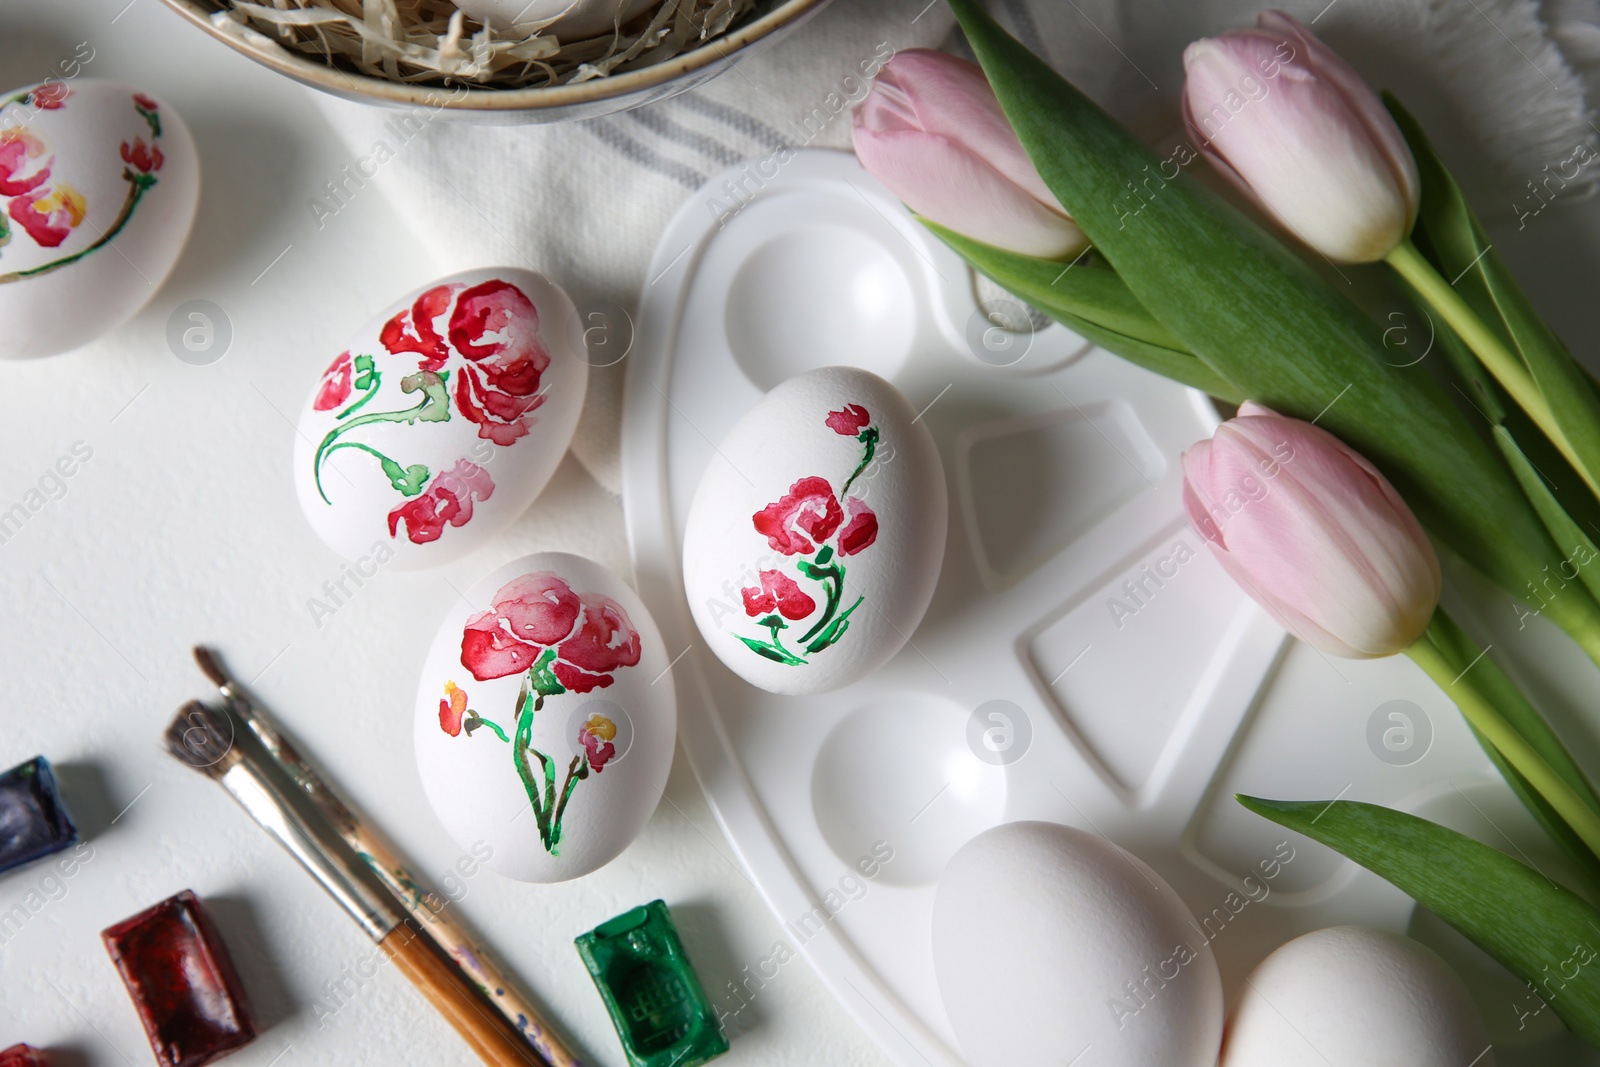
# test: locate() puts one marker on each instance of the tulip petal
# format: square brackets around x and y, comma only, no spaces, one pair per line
[941,181]
[1358,96]
[1375,580]
[1313,533]
[933,132]
[951,98]
[1288,121]
[1196,470]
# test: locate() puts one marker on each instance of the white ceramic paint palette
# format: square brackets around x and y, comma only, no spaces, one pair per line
[1083,659]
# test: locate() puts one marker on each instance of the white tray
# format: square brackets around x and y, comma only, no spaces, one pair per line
[1138,722]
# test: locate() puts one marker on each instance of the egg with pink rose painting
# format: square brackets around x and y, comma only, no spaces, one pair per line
[546,718]
[440,421]
[99,184]
[815,537]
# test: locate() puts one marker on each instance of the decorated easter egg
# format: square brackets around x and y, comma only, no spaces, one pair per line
[569,20]
[815,536]
[98,189]
[442,418]
[542,738]
[1349,994]
[1048,941]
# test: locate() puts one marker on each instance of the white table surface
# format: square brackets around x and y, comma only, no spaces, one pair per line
[183,528]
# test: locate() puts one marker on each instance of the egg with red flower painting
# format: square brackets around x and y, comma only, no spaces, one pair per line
[99,183]
[442,419]
[815,537]
[543,738]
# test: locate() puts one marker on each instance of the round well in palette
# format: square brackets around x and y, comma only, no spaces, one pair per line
[812,293]
[938,795]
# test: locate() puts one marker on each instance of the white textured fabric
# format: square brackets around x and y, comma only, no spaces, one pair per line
[1503,86]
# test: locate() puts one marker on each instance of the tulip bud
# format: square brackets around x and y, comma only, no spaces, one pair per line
[1313,533]
[1286,120]
[932,131]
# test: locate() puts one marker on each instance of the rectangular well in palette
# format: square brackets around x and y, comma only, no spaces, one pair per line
[182,982]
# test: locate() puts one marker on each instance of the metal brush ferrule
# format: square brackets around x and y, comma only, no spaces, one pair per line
[283,813]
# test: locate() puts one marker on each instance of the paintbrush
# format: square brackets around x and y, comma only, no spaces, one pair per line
[421,903]
[208,740]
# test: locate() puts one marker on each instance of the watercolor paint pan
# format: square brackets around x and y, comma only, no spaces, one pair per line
[34,822]
[182,982]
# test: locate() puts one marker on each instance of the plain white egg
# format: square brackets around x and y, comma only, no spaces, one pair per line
[541,742]
[1049,942]
[815,537]
[1350,995]
[437,424]
[570,20]
[99,184]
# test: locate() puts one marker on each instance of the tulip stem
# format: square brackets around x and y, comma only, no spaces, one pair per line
[1487,720]
[1506,365]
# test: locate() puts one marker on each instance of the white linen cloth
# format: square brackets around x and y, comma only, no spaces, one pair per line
[1504,88]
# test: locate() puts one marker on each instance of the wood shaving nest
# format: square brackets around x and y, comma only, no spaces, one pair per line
[432,42]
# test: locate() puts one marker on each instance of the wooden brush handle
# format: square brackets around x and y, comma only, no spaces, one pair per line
[433,917]
[485,1030]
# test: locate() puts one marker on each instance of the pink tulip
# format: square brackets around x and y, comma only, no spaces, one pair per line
[932,131]
[1297,130]
[1313,533]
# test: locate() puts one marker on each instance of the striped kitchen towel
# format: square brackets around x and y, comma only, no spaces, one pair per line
[1502,84]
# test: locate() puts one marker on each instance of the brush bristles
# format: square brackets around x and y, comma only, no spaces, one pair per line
[203,738]
[211,666]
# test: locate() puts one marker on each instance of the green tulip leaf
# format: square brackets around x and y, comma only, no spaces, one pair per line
[1261,318]
[1484,675]
[1182,367]
[1580,549]
[1094,293]
[1564,504]
[1095,304]
[1540,931]
[1583,862]
[1465,256]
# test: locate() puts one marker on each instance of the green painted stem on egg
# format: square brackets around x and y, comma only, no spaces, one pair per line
[774,623]
[544,813]
[433,407]
[868,437]
[359,404]
[835,629]
[491,724]
[773,649]
[519,756]
[137,184]
[832,579]
[383,459]
[519,749]
[577,771]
